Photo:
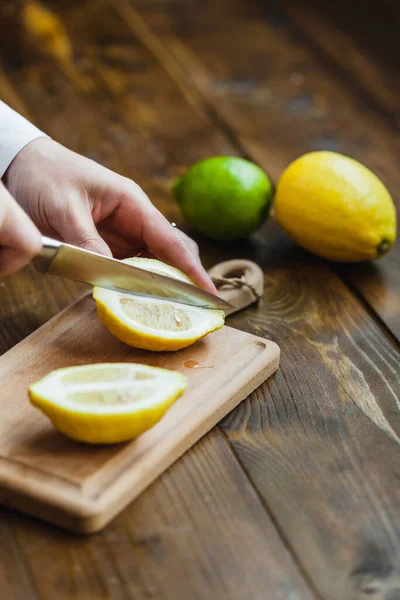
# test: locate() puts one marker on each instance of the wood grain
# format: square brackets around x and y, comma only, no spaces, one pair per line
[199,531]
[278,99]
[55,116]
[366,54]
[317,441]
[226,91]
[365,59]
[316,444]
[55,104]
[28,300]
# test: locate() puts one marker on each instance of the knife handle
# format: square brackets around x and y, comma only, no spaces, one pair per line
[42,261]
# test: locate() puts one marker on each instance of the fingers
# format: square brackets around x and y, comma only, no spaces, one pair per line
[175,248]
[76,227]
[20,240]
[87,237]
[138,220]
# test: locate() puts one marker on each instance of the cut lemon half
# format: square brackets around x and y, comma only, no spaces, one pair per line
[154,324]
[106,403]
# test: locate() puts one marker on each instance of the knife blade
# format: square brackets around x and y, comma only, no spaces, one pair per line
[71,262]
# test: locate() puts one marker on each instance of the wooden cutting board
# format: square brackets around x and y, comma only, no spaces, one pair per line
[83,487]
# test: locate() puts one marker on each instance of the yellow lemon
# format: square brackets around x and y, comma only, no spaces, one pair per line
[106,403]
[336,208]
[153,324]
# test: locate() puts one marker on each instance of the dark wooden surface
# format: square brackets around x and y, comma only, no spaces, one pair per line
[296,495]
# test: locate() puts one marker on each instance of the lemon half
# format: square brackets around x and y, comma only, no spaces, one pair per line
[153,324]
[106,403]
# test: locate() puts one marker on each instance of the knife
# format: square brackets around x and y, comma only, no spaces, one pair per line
[71,262]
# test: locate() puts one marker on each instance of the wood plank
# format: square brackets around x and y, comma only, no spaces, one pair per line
[316,442]
[199,531]
[360,44]
[15,579]
[143,125]
[277,99]
[28,300]
[184,540]
[290,284]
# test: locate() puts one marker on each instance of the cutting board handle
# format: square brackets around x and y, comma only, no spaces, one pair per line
[240,282]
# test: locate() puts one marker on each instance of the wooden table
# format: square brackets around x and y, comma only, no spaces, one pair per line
[295,495]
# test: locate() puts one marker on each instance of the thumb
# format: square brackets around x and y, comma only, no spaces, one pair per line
[79,230]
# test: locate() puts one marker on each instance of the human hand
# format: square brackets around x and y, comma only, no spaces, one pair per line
[75,199]
[19,238]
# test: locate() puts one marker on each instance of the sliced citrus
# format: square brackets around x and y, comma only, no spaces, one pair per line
[106,403]
[154,324]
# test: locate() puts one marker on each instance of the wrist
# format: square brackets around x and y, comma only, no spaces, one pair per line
[24,163]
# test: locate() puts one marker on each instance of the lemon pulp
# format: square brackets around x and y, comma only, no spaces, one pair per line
[106,403]
[153,324]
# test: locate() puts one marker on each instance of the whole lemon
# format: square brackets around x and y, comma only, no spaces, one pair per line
[224,197]
[335,207]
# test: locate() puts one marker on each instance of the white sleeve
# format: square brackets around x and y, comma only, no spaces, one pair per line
[15,133]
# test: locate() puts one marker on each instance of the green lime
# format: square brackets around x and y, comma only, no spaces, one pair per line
[225,198]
